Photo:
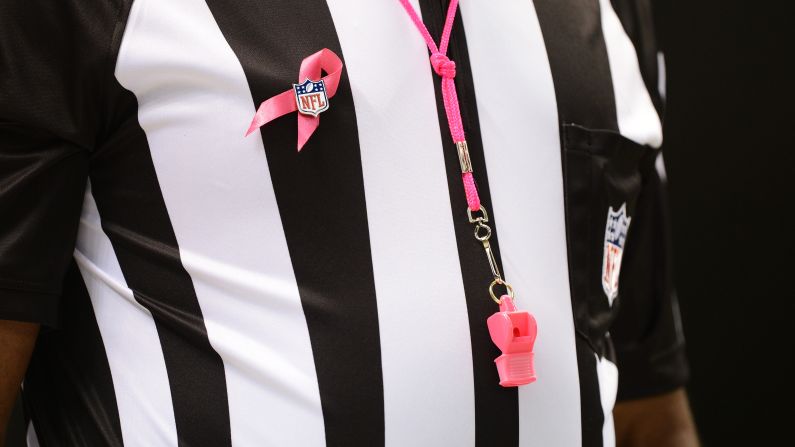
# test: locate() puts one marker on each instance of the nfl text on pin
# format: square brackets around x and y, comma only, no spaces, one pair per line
[310,97]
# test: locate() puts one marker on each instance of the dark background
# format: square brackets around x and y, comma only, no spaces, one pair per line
[731,169]
[730,158]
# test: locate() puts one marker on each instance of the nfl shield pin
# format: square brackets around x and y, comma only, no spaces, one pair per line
[615,238]
[310,97]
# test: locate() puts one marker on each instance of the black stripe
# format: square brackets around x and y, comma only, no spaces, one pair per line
[135,218]
[69,392]
[496,408]
[572,31]
[593,418]
[580,68]
[327,234]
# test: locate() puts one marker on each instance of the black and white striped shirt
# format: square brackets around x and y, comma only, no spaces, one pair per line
[206,289]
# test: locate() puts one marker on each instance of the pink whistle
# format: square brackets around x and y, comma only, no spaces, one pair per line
[514,332]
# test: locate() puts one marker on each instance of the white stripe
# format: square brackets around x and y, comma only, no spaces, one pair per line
[32,439]
[522,147]
[662,83]
[607,373]
[425,343]
[659,166]
[195,105]
[637,117]
[130,337]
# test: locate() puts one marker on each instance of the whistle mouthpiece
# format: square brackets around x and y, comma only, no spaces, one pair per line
[516,369]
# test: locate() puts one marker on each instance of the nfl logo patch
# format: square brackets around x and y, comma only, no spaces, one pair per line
[615,237]
[310,97]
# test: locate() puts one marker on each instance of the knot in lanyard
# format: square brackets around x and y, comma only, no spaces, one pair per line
[442,65]
[445,68]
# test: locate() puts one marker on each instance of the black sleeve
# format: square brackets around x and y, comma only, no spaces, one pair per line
[647,333]
[53,66]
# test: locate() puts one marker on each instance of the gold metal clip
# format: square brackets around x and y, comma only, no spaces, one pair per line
[463,157]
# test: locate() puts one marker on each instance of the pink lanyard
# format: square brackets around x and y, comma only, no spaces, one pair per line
[513,331]
[445,68]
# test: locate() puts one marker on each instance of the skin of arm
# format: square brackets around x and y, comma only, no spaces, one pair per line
[659,421]
[17,340]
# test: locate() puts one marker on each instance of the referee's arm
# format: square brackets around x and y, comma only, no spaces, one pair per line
[652,408]
[659,421]
[16,344]
[50,111]
[42,183]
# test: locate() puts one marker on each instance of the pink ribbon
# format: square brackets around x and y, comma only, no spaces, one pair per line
[284,102]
